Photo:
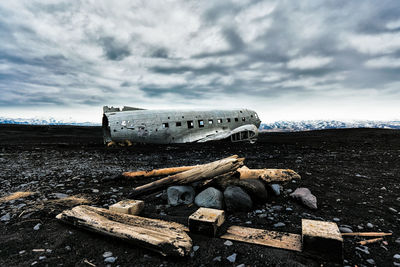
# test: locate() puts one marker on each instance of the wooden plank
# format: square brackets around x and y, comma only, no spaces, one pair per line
[198,173]
[264,237]
[370,241]
[128,206]
[167,238]
[157,172]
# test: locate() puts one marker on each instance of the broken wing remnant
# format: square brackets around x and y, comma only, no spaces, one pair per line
[178,126]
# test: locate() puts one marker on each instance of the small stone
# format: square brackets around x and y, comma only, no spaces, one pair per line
[37,226]
[371,261]
[67,248]
[196,248]
[396,256]
[370,225]
[107,254]
[248,222]
[241,265]
[49,250]
[59,195]
[279,224]
[228,243]
[398,241]
[393,210]
[110,259]
[95,190]
[236,199]
[345,230]
[232,258]
[21,252]
[363,249]
[304,195]
[6,217]
[34,263]
[218,258]
[277,208]
[42,258]
[289,209]
[276,189]
[178,195]
[336,219]
[209,198]
[396,264]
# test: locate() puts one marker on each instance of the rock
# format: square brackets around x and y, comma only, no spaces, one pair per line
[305,197]
[279,224]
[232,258]
[196,248]
[255,188]
[370,225]
[371,261]
[345,230]
[42,258]
[228,243]
[236,199]
[107,254]
[218,258]
[396,257]
[276,189]
[277,208]
[396,264]
[110,259]
[95,190]
[336,219]
[59,195]
[68,248]
[21,252]
[363,249]
[398,241]
[37,226]
[34,263]
[393,210]
[209,198]
[178,195]
[6,217]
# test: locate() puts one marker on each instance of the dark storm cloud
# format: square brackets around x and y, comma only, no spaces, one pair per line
[114,50]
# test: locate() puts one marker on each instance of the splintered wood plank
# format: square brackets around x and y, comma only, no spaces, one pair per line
[264,237]
[167,238]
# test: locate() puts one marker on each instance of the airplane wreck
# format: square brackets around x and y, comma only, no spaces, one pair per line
[178,126]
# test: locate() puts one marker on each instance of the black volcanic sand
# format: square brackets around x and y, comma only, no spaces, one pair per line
[353,173]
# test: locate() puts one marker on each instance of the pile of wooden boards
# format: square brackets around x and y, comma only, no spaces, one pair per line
[223,171]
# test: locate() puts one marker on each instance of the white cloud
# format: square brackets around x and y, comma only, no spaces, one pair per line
[375,44]
[308,62]
[383,62]
[394,24]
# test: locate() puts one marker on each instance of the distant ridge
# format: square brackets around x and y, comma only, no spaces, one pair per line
[40,121]
[299,126]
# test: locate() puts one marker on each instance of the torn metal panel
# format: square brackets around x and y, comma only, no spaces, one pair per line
[178,126]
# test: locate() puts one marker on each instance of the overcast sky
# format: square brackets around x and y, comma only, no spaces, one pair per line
[288,60]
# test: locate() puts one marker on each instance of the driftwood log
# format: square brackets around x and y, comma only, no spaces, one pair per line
[167,238]
[268,175]
[198,173]
[157,172]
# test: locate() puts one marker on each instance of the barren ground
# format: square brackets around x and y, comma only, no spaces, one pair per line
[354,173]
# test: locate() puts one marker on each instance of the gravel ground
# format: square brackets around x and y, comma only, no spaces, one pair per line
[353,173]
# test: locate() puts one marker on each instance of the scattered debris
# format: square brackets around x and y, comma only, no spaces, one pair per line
[167,238]
[206,221]
[133,207]
[370,241]
[305,197]
[16,195]
[264,237]
[322,239]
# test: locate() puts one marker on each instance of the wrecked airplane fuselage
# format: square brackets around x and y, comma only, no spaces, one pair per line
[178,126]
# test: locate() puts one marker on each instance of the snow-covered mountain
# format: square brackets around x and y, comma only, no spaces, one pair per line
[44,121]
[297,126]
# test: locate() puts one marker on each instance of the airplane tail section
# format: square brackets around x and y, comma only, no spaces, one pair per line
[107,109]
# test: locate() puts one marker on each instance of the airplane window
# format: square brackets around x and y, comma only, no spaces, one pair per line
[243,119]
[210,121]
[178,123]
[236,119]
[219,120]
[241,111]
[228,119]
[190,124]
[165,125]
[252,115]
[201,123]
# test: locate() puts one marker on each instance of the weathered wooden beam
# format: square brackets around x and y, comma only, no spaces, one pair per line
[268,175]
[198,173]
[370,241]
[167,238]
[128,206]
[206,221]
[157,172]
[322,239]
[264,237]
